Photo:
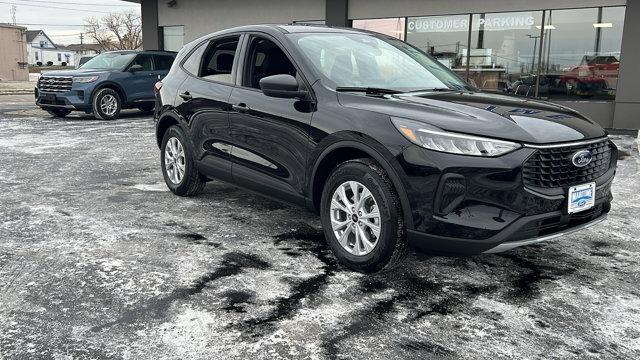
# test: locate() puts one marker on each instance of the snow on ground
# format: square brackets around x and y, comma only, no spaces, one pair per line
[99,260]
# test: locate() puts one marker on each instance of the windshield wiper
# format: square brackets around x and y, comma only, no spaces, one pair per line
[368,90]
[434,89]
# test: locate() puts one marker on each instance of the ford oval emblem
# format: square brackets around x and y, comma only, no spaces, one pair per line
[582,158]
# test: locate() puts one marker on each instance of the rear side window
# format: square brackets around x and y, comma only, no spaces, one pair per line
[217,62]
[192,63]
[163,62]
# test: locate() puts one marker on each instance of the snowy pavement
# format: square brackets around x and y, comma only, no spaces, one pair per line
[99,260]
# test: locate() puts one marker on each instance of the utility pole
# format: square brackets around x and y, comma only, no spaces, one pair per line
[533,57]
[13,14]
[81,38]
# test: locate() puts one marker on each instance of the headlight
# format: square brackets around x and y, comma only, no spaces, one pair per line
[84,79]
[439,140]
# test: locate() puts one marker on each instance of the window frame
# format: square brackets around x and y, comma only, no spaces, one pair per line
[248,36]
[208,42]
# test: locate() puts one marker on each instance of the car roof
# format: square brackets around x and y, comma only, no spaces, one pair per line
[140,52]
[315,28]
[282,29]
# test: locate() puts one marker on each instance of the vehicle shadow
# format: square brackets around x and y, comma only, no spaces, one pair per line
[124,115]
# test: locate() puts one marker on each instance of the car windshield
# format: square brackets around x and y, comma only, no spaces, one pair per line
[364,61]
[109,61]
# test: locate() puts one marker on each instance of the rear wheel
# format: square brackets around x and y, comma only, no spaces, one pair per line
[59,112]
[106,104]
[178,168]
[362,218]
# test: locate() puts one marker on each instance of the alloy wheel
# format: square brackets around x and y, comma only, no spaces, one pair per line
[174,160]
[355,218]
[109,105]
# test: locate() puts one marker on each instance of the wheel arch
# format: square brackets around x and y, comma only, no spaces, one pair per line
[113,86]
[165,121]
[347,150]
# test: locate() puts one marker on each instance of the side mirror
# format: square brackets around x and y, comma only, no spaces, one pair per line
[282,86]
[135,68]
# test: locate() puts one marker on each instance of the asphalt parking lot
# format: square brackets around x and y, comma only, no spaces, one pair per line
[99,260]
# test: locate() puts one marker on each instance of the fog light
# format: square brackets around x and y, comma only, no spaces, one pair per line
[450,194]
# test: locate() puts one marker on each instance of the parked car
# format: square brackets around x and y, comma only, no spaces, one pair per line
[387,144]
[105,84]
[596,75]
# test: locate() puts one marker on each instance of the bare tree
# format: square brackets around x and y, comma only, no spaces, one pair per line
[116,31]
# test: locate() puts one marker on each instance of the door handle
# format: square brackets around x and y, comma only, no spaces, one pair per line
[241,108]
[186,96]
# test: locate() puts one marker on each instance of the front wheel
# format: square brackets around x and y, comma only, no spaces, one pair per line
[178,168]
[362,218]
[59,112]
[106,104]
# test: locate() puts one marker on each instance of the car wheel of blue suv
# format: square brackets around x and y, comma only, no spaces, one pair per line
[362,217]
[106,104]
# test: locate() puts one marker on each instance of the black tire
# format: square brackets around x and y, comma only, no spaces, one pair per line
[192,181]
[146,108]
[59,112]
[97,98]
[391,246]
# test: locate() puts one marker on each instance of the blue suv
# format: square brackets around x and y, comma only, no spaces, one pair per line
[105,85]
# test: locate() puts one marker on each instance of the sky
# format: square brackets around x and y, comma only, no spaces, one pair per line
[62,20]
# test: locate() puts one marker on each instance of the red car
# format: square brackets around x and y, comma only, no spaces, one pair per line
[594,75]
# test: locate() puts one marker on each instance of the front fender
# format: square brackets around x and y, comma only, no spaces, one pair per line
[375,150]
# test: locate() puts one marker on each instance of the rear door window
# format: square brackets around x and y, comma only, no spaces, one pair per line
[218,60]
[163,62]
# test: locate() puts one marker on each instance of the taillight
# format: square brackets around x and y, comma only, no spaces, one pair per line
[157,87]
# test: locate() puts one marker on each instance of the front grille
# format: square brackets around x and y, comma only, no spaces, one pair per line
[55,83]
[553,167]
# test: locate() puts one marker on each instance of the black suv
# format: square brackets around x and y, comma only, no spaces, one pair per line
[105,84]
[386,143]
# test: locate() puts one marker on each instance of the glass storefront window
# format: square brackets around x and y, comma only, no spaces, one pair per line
[611,29]
[570,48]
[390,26]
[443,37]
[173,37]
[504,48]
[582,54]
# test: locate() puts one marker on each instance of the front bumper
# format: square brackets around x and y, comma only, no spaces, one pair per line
[497,211]
[508,245]
[78,98]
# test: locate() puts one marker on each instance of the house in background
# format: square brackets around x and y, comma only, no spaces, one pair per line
[80,50]
[42,49]
[13,57]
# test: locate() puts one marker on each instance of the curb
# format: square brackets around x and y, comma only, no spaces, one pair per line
[17,92]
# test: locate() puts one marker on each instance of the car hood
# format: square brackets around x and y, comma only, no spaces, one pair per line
[75,72]
[477,113]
